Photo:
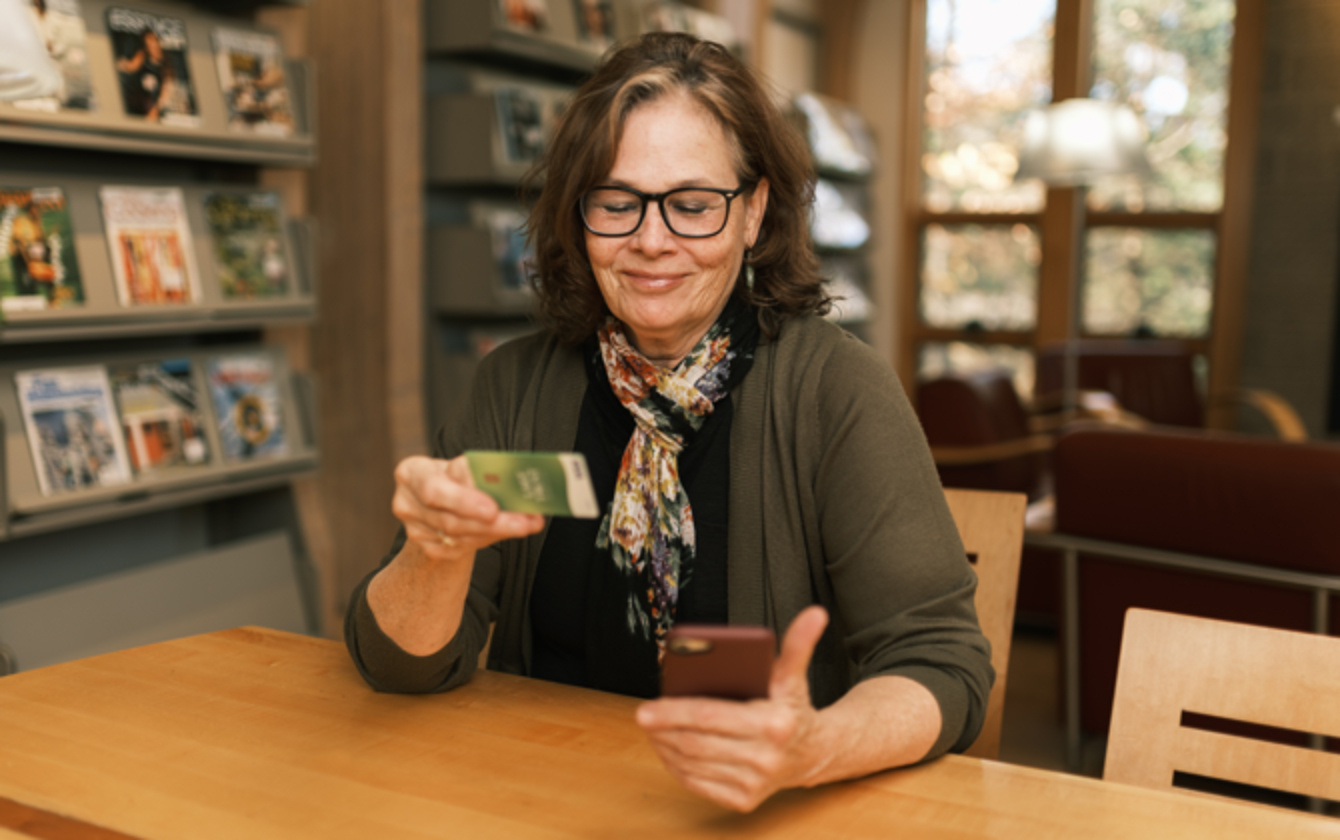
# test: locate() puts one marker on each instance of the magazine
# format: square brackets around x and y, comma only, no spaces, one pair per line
[245,394]
[150,56]
[152,256]
[255,89]
[673,16]
[526,15]
[60,25]
[249,244]
[838,137]
[521,121]
[72,429]
[511,252]
[38,269]
[595,22]
[160,414]
[836,221]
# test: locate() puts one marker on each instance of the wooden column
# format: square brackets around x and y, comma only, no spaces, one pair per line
[366,347]
[1235,220]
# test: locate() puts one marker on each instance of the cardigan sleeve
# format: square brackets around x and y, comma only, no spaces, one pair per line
[900,578]
[383,663]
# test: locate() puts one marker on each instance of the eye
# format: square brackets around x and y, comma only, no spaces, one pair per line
[689,206]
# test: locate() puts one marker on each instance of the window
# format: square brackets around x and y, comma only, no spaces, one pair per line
[995,271]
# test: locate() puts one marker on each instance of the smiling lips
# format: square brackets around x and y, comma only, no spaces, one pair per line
[652,281]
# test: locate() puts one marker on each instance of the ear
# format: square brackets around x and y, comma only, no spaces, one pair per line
[757,205]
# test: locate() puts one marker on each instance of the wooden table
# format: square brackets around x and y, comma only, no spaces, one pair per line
[254,733]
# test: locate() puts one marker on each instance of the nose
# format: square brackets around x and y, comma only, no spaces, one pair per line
[653,236]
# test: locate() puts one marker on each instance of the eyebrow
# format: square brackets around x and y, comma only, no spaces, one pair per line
[689,182]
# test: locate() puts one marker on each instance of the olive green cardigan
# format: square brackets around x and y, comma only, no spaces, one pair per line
[833,500]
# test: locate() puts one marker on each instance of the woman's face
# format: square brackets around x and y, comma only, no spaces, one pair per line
[668,289]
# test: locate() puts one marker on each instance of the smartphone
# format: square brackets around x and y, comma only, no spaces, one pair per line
[709,660]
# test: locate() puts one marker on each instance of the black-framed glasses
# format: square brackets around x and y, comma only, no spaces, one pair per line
[691,212]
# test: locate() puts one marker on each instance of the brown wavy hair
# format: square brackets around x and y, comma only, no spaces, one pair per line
[582,152]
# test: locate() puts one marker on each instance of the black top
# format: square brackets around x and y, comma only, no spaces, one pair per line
[567,579]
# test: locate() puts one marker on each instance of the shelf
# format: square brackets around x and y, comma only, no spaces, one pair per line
[101,315]
[487,129]
[26,510]
[107,127]
[476,29]
[477,269]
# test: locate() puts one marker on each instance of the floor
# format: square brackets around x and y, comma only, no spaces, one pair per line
[1033,732]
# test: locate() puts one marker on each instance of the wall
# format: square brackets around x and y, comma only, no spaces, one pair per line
[1291,306]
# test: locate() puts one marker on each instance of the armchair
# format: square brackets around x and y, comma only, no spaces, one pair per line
[1155,380]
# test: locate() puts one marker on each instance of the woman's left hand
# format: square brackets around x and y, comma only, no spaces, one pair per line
[739,754]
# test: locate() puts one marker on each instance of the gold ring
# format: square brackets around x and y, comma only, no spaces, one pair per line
[449,542]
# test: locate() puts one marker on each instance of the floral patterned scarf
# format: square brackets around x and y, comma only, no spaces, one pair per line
[648,529]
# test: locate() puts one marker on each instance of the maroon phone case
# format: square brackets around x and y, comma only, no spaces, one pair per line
[733,663]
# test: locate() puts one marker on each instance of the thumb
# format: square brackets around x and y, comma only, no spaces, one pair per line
[790,670]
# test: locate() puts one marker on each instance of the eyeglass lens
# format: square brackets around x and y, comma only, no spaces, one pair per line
[616,212]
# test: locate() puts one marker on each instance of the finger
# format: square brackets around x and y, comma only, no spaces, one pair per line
[790,670]
[732,785]
[445,485]
[728,718]
[729,791]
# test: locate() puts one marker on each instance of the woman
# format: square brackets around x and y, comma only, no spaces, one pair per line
[757,464]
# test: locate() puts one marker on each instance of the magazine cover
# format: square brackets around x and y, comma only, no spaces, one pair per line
[595,22]
[72,429]
[150,55]
[511,252]
[527,15]
[160,414]
[836,221]
[251,72]
[837,135]
[152,256]
[38,268]
[521,121]
[249,244]
[246,405]
[60,25]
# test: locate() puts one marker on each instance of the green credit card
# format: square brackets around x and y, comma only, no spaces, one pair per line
[556,483]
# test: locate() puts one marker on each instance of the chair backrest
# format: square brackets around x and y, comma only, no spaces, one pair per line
[991,526]
[980,409]
[1171,664]
[1155,379]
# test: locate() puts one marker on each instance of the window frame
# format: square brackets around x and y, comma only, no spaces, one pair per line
[1063,215]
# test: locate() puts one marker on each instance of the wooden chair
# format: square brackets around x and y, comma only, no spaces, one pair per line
[991,525]
[1173,663]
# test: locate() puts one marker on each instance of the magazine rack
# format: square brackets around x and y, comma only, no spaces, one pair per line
[65,539]
[25,510]
[476,262]
[109,128]
[102,315]
[485,127]
[844,158]
[479,29]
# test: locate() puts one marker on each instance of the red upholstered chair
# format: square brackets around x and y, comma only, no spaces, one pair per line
[1239,506]
[980,435]
[982,438]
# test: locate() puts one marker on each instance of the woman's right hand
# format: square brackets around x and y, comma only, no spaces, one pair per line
[444,516]
[418,598]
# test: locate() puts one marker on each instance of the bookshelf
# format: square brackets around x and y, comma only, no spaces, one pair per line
[80,534]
